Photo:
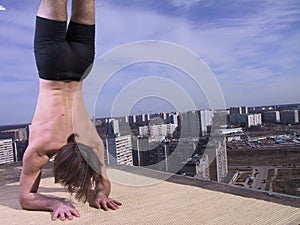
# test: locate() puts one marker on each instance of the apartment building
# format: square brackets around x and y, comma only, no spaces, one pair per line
[6,151]
[271,117]
[245,120]
[119,150]
[289,116]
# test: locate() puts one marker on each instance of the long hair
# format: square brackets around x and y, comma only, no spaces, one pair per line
[77,168]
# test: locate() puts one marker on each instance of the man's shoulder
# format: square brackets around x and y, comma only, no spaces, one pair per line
[33,161]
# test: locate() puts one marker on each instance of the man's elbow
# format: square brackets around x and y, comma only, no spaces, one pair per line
[23,201]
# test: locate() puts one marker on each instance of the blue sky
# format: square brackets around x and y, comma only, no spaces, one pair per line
[252,47]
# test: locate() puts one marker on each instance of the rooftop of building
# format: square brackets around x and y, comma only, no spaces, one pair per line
[152,197]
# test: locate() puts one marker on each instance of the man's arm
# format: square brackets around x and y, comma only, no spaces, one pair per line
[29,183]
[103,186]
[87,134]
[101,200]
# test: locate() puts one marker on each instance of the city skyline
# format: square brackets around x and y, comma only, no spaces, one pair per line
[149,116]
[251,47]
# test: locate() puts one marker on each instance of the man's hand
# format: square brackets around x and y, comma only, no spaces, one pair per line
[102,201]
[64,210]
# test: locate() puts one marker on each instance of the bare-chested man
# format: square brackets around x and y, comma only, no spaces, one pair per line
[61,126]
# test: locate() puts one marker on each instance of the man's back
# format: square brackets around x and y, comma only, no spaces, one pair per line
[52,121]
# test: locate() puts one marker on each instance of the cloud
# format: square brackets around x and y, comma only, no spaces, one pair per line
[17,62]
[2,8]
[245,50]
[186,4]
[251,46]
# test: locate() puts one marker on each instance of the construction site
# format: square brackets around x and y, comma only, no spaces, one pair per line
[266,158]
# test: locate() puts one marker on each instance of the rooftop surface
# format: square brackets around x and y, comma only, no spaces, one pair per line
[156,198]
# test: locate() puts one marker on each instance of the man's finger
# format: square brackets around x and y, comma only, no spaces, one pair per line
[97,205]
[54,215]
[69,215]
[62,216]
[75,212]
[117,202]
[112,205]
[104,205]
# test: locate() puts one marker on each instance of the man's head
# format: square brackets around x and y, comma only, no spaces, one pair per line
[73,168]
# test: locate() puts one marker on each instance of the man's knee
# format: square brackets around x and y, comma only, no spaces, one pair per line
[83,11]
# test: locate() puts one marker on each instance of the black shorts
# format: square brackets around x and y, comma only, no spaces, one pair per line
[62,54]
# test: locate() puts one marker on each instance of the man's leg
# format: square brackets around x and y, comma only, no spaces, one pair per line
[53,10]
[83,11]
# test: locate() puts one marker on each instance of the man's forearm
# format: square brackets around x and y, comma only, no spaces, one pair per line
[35,201]
[103,186]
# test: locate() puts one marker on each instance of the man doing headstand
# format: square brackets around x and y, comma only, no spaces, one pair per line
[64,56]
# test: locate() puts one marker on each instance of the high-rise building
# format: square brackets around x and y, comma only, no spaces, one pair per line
[289,116]
[159,132]
[195,123]
[254,119]
[144,131]
[119,150]
[172,118]
[202,168]
[130,119]
[206,119]
[19,136]
[15,134]
[190,124]
[217,156]
[239,110]
[110,127]
[115,126]
[271,117]
[152,155]
[146,117]
[6,151]
[245,120]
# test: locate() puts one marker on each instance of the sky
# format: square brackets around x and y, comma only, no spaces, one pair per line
[251,47]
